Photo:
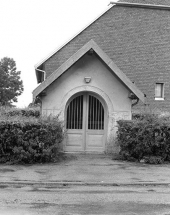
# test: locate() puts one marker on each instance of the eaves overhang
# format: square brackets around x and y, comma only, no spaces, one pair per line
[75,57]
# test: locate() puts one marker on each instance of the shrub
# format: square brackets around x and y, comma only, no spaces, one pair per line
[147,139]
[144,116]
[26,112]
[30,140]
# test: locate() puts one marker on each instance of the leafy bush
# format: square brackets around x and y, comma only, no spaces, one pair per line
[147,139]
[30,140]
[154,160]
[144,116]
[26,112]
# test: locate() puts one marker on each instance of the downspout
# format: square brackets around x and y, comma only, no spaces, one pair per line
[135,103]
[35,100]
[38,97]
[132,96]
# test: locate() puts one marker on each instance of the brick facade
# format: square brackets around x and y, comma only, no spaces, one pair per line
[136,39]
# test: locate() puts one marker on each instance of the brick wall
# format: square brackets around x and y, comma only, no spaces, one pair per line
[137,40]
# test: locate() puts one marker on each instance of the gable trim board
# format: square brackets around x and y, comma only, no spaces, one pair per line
[138,5]
[75,57]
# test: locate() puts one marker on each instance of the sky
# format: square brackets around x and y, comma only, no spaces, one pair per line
[31,29]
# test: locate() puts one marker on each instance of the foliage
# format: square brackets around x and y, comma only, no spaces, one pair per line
[26,112]
[142,116]
[34,105]
[146,139]
[30,140]
[10,84]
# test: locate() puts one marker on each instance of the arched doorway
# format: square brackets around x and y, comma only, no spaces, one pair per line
[85,123]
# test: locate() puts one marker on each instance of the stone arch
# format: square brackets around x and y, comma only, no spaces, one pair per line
[85,88]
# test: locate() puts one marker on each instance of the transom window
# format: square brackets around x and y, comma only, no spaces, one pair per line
[159,91]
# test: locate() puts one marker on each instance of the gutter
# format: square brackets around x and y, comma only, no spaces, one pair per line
[138,5]
[44,72]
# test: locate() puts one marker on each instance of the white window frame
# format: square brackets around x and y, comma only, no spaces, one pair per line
[161,89]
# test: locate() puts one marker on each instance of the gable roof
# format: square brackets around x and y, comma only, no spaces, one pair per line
[126,3]
[75,57]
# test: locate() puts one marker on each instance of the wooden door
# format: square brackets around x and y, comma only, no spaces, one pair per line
[95,124]
[85,124]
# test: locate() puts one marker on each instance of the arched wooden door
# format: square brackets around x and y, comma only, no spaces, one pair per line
[85,124]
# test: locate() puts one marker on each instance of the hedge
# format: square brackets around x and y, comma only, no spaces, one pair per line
[146,140]
[26,112]
[30,140]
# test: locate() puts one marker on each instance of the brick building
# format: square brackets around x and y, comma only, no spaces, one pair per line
[135,38]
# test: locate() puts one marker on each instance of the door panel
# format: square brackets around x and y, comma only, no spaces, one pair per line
[74,125]
[95,125]
[94,142]
[74,141]
[85,124]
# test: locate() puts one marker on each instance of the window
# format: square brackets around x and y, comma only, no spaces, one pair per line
[159,91]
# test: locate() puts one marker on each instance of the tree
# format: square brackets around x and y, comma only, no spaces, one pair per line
[11,86]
